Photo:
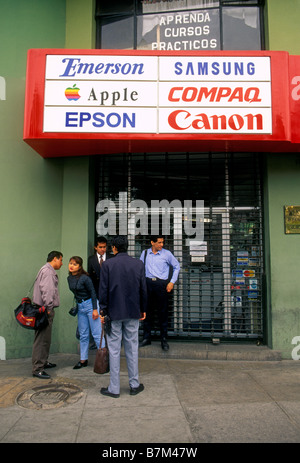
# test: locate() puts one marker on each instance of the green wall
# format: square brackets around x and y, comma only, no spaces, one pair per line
[282,187]
[30,186]
[283,174]
[78,215]
[77,239]
[282,23]
[44,202]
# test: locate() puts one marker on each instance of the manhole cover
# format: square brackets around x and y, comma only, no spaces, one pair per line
[48,396]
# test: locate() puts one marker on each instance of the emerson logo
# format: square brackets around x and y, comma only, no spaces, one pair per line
[75,66]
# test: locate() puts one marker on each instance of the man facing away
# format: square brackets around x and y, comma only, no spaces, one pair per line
[45,293]
[159,263]
[123,297]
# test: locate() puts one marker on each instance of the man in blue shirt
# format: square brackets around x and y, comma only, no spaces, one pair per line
[158,265]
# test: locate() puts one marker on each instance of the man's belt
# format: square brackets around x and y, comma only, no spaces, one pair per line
[155,279]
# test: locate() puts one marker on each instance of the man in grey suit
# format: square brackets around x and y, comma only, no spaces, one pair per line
[45,292]
[123,297]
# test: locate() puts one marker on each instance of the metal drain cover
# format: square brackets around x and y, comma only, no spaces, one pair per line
[52,395]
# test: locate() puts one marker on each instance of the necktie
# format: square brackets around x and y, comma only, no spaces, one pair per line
[101,260]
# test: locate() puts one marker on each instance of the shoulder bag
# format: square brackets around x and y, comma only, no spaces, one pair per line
[30,315]
[101,364]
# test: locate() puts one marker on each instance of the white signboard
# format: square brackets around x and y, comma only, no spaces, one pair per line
[183,30]
[158,94]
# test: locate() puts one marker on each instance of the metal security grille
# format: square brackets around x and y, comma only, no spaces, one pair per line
[219,290]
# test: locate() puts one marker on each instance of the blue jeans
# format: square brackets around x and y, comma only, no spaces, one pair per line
[85,324]
[126,330]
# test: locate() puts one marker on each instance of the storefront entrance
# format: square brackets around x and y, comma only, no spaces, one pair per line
[219,290]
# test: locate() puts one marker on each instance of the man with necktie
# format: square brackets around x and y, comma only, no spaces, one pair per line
[94,267]
[161,270]
[95,262]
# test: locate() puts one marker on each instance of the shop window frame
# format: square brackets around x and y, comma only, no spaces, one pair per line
[136,13]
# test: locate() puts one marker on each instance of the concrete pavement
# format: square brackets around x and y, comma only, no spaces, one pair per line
[234,394]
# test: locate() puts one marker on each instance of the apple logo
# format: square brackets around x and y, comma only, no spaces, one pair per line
[72,94]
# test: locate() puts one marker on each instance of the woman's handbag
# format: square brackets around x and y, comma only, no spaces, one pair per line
[30,315]
[74,310]
[101,364]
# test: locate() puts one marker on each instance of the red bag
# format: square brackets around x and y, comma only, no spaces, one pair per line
[30,315]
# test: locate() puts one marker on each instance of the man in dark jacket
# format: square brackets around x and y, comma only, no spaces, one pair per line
[123,297]
[96,260]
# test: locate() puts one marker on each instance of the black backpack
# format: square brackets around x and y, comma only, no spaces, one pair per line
[30,315]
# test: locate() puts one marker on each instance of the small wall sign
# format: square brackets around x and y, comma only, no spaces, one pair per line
[292,219]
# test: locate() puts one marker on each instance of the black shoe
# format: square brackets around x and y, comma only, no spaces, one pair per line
[49,365]
[80,365]
[105,391]
[136,390]
[145,342]
[164,344]
[42,375]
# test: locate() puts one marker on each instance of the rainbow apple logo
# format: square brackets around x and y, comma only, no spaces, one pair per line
[72,94]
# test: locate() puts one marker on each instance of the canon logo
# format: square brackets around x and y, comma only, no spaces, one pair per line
[183,120]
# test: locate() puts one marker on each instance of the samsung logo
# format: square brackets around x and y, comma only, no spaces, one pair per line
[204,68]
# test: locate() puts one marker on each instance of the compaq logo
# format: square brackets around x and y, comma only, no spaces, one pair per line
[215,94]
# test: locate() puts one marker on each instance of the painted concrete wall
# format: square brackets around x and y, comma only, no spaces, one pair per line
[77,239]
[44,203]
[30,187]
[78,199]
[282,20]
[282,187]
[283,173]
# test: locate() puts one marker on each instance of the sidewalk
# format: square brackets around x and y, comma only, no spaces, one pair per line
[227,394]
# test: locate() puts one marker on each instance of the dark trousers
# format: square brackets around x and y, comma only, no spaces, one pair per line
[41,345]
[157,300]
